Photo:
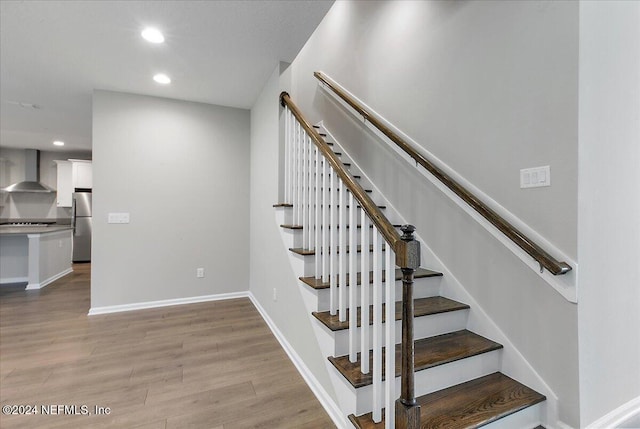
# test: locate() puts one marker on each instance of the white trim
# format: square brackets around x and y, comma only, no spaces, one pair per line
[33,286]
[565,284]
[325,400]
[13,280]
[165,303]
[562,425]
[619,416]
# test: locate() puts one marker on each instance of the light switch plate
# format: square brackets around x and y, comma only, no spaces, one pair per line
[535,177]
[118,218]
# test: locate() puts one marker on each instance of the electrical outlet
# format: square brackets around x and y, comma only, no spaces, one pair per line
[275,294]
[118,218]
[535,177]
[199,273]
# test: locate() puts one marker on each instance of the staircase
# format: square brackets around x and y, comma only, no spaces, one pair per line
[455,379]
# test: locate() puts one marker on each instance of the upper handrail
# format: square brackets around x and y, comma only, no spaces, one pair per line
[525,243]
[405,256]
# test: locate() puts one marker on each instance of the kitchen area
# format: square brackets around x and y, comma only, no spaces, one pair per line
[45,215]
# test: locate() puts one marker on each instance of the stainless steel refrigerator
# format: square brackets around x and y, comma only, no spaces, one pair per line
[81,222]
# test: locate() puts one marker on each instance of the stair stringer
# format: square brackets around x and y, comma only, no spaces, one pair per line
[514,364]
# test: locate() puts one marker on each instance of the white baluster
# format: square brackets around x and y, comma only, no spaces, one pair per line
[342,252]
[333,246]
[290,130]
[364,292]
[377,326]
[312,196]
[318,214]
[298,192]
[305,192]
[390,338]
[325,221]
[353,279]
[286,155]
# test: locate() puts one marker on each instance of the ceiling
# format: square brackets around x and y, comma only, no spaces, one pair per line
[53,54]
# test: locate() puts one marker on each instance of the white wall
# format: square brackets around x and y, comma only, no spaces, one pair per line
[270,267]
[53,253]
[33,206]
[14,258]
[181,170]
[609,207]
[489,88]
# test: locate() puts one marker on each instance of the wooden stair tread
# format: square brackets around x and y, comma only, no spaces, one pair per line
[290,226]
[422,307]
[369,191]
[306,252]
[359,206]
[283,205]
[355,176]
[468,405]
[429,352]
[319,284]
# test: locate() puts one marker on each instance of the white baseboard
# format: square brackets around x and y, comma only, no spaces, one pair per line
[32,286]
[621,417]
[166,303]
[8,280]
[325,400]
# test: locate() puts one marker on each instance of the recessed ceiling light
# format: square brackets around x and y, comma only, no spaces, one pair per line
[152,35]
[58,143]
[162,78]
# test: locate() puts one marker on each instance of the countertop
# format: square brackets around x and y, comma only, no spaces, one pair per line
[16,230]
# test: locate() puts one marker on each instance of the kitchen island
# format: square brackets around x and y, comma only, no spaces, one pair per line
[38,255]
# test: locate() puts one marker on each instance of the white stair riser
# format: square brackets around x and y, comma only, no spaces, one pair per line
[297,235]
[433,379]
[524,419]
[426,326]
[309,266]
[423,288]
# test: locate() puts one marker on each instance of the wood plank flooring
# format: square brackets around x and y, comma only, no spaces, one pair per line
[211,365]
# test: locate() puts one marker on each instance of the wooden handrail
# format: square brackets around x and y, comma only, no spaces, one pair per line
[525,243]
[386,228]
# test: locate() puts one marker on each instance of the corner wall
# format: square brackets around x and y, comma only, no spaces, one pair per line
[609,216]
[181,170]
[270,267]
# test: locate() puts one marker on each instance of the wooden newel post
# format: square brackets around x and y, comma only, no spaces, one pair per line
[407,410]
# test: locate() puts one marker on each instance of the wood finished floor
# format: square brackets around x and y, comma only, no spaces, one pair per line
[211,365]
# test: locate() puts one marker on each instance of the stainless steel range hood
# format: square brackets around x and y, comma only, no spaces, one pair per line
[31,181]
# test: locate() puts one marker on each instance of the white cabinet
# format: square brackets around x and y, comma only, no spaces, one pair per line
[82,174]
[65,183]
[72,174]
